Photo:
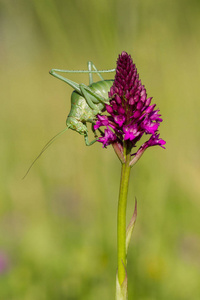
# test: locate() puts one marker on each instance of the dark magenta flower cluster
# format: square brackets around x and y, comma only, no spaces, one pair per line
[130,113]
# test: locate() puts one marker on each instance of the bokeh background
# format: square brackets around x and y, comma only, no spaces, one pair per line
[58,225]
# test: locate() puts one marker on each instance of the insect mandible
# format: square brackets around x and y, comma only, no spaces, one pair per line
[86,101]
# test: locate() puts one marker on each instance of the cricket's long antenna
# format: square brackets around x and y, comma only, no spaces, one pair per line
[45,148]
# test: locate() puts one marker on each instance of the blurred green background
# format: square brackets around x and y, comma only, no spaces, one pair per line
[58,226]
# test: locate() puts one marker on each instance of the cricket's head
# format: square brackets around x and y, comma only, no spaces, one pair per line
[76,125]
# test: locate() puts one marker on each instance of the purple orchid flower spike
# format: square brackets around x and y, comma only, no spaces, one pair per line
[129,116]
[130,113]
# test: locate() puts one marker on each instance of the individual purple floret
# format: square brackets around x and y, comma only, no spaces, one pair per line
[130,113]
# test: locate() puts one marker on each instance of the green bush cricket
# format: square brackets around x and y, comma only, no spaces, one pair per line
[86,103]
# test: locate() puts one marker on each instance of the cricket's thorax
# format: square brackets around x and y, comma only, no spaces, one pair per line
[76,125]
[80,109]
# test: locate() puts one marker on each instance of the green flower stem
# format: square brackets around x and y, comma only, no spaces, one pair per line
[121,220]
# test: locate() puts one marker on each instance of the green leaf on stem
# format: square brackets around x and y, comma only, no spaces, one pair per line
[121,290]
[130,227]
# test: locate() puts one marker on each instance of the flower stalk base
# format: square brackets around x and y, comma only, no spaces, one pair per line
[121,223]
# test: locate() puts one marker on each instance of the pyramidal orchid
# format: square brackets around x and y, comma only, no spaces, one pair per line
[130,113]
[129,116]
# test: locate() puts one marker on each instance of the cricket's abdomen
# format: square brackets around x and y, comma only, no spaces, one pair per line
[102,87]
[80,110]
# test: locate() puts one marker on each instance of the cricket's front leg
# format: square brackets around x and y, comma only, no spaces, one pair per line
[92,127]
[87,140]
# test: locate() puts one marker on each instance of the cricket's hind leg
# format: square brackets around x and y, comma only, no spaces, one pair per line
[90,67]
[91,70]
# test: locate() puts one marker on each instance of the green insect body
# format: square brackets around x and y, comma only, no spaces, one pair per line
[81,113]
[86,101]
